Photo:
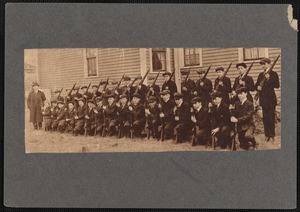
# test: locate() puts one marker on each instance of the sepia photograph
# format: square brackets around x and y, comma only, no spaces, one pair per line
[152,99]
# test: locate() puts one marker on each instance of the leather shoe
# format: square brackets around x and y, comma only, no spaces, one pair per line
[267,138]
[272,139]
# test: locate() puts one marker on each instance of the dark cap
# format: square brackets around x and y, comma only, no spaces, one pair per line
[123,96]
[264,61]
[200,71]
[94,86]
[90,101]
[57,91]
[151,99]
[126,78]
[136,95]
[241,64]
[216,94]
[178,95]
[53,101]
[219,69]
[83,86]
[113,82]
[35,84]
[103,83]
[242,89]
[138,77]
[184,71]
[98,99]
[167,73]
[110,96]
[196,99]
[60,102]
[165,92]
[150,77]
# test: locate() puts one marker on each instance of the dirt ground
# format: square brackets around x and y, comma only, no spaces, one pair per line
[37,141]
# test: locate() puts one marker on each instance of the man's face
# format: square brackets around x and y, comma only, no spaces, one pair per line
[265,66]
[71,106]
[60,105]
[217,100]
[242,96]
[54,104]
[99,103]
[150,81]
[94,89]
[200,76]
[91,105]
[219,73]
[241,70]
[166,97]
[35,88]
[152,104]
[83,90]
[183,77]
[110,100]
[81,103]
[167,77]
[135,100]
[196,105]
[178,101]
[123,100]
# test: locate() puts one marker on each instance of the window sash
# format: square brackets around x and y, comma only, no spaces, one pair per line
[91,66]
[159,62]
[191,56]
[254,53]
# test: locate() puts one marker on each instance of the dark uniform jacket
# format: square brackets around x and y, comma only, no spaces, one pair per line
[187,95]
[70,114]
[123,113]
[61,114]
[54,113]
[154,113]
[205,90]
[267,94]
[111,112]
[138,112]
[142,92]
[91,114]
[244,114]
[94,95]
[47,113]
[99,116]
[167,110]
[202,118]
[35,102]
[155,92]
[171,86]
[60,98]
[184,113]
[88,95]
[220,116]
[249,84]
[80,112]
[225,89]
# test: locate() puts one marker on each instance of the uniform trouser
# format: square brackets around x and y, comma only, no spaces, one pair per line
[202,136]
[138,126]
[90,127]
[48,123]
[268,111]
[246,137]
[70,125]
[111,125]
[223,137]
[124,128]
[169,129]
[61,125]
[182,130]
[152,125]
[79,125]
[99,128]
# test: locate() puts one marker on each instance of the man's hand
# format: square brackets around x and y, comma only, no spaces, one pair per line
[221,83]
[130,108]
[258,88]
[87,117]
[267,76]
[233,93]
[195,93]
[159,105]
[176,118]
[161,115]
[118,104]
[242,82]
[51,109]
[139,87]
[193,118]
[231,107]
[201,84]
[104,107]
[214,131]
[95,111]
[76,117]
[210,104]
[184,88]
[233,119]
[147,111]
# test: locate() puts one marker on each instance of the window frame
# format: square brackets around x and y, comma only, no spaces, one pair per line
[85,59]
[200,57]
[168,60]
[241,52]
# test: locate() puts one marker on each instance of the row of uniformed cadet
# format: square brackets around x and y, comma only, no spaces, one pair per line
[199,106]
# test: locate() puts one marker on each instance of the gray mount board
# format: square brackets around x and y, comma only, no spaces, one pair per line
[255,179]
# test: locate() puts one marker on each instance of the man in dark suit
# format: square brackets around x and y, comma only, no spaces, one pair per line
[186,86]
[203,88]
[243,116]
[85,93]
[95,92]
[169,84]
[239,82]
[138,115]
[80,113]
[223,85]
[141,89]
[152,90]
[152,116]
[220,116]
[123,116]
[60,122]
[200,119]
[167,114]
[111,116]
[35,102]
[182,114]
[267,97]
[58,96]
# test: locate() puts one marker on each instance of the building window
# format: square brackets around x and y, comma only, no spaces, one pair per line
[159,59]
[254,53]
[191,56]
[91,62]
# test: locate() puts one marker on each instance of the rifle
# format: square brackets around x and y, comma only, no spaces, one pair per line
[118,85]
[262,82]
[130,85]
[194,138]
[162,130]
[60,93]
[148,94]
[69,94]
[142,81]
[233,144]
[187,76]
[244,76]
[131,124]
[104,88]
[171,76]
[222,77]
[205,75]
[86,111]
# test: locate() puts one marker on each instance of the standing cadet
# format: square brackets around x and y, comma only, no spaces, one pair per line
[124,88]
[139,88]
[90,118]
[187,86]
[169,84]
[138,115]
[182,114]
[85,93]
[46,111]
[152,117]
[267,97]
[58,95]
[200,118]
[240,82]
[70,114]
[79,117]
[95,92]
[35,102]
[111,116]
[167,114]
[220,115]
[203,88]
[59,123]
[223,85]
[123,116]
[98,110]
[152,89]
[243,116]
